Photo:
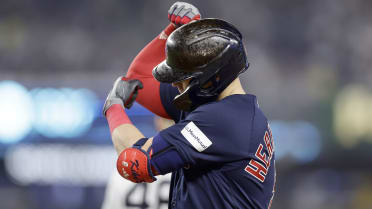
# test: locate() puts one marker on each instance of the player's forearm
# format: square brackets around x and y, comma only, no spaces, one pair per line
[123,133]
[124,136]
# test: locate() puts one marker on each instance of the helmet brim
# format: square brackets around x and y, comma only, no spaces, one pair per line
[165,74]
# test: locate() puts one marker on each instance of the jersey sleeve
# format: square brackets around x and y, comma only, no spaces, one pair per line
[164,156]
[141,68]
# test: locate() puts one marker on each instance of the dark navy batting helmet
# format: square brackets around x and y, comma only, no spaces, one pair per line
[210,52]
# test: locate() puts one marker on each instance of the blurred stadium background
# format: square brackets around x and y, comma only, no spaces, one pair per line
[310,67]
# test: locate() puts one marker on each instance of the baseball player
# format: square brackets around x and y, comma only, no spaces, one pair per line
[220,150]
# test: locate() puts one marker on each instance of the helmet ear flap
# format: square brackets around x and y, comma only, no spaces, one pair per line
[211,84]
[197,93]
[183,101]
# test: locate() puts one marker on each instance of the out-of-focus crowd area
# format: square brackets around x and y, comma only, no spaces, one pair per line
[310,69]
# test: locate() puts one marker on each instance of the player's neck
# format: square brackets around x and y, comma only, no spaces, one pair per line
[235,87]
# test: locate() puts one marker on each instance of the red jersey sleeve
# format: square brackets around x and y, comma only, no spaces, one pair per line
[141,69]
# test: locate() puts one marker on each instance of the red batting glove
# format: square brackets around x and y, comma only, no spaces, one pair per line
[181,13]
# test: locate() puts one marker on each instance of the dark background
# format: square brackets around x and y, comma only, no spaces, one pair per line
[310,68]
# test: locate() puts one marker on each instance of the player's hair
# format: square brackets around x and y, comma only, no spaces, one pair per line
[210,52]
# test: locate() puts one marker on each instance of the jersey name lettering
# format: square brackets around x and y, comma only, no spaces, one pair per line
[259,168]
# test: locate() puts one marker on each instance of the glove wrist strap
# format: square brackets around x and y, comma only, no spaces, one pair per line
[116,116]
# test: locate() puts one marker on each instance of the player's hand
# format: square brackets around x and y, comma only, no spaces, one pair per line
[181,13]
[124,92]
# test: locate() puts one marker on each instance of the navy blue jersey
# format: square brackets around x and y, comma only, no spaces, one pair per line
[221,154]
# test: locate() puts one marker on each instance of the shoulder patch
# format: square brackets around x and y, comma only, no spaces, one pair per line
[196,137]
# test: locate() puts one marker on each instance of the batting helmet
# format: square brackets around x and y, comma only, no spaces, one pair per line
[210,52]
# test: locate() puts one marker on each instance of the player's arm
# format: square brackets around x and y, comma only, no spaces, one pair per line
[134,149]
[151,55]
[141,69]
[123,133]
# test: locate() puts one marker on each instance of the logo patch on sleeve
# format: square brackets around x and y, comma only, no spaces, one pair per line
[196,137]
